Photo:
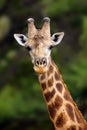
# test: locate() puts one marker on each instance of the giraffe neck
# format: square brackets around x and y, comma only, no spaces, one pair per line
[63,111]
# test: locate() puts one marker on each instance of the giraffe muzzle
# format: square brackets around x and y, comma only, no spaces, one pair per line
[40,65]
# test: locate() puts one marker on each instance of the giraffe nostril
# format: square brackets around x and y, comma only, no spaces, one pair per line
[37,61]
[44,61]
[40,62]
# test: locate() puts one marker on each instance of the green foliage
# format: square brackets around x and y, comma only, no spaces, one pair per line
[75,76]
[83,38]
[20,93]
[4,26]
[2,2]
[54,7]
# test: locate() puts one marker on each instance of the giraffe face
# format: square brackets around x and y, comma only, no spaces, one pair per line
[39,50]
[39,44]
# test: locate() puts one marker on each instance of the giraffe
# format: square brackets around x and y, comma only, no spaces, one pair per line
[62,109]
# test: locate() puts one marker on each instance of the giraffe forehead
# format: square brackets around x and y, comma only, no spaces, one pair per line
[39,34]
[39,38]
[40,48]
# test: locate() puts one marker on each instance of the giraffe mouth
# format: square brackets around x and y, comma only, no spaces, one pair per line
[40,70]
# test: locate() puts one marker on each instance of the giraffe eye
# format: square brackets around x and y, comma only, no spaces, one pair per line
[28,48]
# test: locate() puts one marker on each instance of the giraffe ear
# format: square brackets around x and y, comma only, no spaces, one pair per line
[57,38]
[21,39]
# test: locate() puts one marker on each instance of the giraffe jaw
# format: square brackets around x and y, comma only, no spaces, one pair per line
[40,70]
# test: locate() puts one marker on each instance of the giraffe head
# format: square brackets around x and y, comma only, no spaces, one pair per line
[39,43]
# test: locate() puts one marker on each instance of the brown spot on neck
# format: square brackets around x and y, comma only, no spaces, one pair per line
[50,71]
[72,128]
[59,87]
[70,111]
[49,95]
[58,102]
[78,118]
[57,76]
[43,85]
[80,128]
[85,127]
[67,96]
[55,106]
[61,120]
[42,77]
[50,82]
[52,111]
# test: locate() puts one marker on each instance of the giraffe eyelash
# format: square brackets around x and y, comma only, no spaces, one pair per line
[50,47]
[28,48]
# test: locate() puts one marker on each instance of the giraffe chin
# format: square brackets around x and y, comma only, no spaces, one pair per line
[40,70]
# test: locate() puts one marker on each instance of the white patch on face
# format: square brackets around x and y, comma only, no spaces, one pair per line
[40,53]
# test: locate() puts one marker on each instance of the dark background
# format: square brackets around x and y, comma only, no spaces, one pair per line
[22,106]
